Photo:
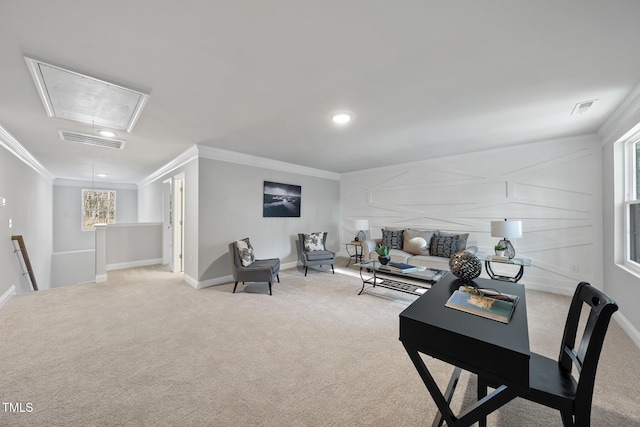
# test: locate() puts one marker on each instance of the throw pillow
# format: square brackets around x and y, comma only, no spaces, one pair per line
[314,242]
[444,246]
[245,250]
[392,238]
[462,239]
[417,242]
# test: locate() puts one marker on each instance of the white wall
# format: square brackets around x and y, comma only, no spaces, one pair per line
[224,203]
[67,212]
[231,197]
[73,259]
[622,285]
[150,202]
[151,208]
[28,196]
[554,187]
[133,245]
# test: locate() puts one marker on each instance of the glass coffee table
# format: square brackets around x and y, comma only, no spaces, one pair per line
[414,282]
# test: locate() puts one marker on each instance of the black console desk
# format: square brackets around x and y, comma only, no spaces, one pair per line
[483,346]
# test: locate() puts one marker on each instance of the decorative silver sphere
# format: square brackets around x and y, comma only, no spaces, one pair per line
[465,266]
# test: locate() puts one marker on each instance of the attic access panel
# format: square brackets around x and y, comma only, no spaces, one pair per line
[74,96]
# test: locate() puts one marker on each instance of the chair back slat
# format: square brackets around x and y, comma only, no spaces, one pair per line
[585,358]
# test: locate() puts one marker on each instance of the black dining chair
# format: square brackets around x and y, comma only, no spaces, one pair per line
[551,381]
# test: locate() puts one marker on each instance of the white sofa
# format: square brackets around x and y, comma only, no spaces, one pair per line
[416,247]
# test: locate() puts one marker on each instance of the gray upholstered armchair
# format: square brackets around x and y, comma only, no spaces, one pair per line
[312,250]
[246,268]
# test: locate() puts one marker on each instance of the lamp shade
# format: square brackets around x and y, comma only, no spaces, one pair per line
[361,224]
[506,229]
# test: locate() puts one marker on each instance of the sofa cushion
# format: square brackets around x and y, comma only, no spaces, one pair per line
[392,238]
[398,255]
[462,239]
[314,242]
[444,246]
[417,242]
[245,251]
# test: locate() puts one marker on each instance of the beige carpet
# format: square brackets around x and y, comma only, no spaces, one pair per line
[146,349]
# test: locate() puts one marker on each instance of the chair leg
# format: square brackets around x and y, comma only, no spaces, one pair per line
[567,419]
[305,271]
[332,270]
[482,392]
[278,277]
[234,287]
[270,289]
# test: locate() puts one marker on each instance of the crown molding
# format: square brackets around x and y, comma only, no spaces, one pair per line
[261,162]
[211,153]
[15,148]
[624,122]
[181,160]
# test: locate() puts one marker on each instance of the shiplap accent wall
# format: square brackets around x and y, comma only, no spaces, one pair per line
[554,187]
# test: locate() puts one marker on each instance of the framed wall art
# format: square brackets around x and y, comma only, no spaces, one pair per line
[281,200]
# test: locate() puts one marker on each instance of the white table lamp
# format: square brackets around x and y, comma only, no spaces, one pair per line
[361,225]
[507,230]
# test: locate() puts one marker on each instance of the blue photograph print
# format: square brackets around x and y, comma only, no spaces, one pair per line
[281,200]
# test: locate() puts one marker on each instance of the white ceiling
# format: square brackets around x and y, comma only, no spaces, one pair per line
[424,78]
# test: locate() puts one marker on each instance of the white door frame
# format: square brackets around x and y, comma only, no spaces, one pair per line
[167,222]
[178,223]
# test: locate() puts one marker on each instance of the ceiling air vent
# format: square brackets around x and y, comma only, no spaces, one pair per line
[582,107]
[83,138]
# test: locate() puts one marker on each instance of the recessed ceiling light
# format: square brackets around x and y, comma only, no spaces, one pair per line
[107,133]
[341,118]
[102,175]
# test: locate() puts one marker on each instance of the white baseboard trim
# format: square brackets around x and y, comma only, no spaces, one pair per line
[7,295]
[291,264]
[132,264]
[191,281]
[200,284]
[212,282]
[626,326]
[101,278]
